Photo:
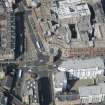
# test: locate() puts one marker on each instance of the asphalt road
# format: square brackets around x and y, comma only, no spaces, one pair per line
[42,59]
[44,83]
[34,36]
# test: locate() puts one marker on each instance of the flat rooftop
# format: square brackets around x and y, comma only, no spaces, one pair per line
[82,63]
[92,90]
[68,9]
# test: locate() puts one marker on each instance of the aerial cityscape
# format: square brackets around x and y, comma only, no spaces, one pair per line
[52,52]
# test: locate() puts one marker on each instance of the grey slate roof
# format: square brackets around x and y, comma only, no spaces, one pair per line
[103,87]
[87,91]
[83,63]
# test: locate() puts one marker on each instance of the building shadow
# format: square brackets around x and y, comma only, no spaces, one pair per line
[92,17]
[17,1]
[103,5]
[71,80]
[44,88]
[20,34]
[57,57]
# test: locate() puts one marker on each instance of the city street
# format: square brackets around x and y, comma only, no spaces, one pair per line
[42,59]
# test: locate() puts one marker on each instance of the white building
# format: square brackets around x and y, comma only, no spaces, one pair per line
[83,68]
[59,81]
[92,94]
[71,11]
